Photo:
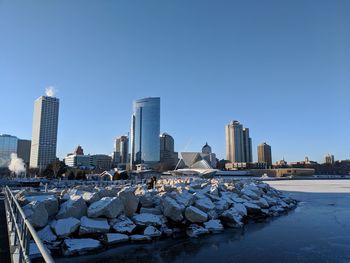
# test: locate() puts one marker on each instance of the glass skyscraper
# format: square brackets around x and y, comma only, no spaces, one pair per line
[8,145]
[145,130]
[44,134]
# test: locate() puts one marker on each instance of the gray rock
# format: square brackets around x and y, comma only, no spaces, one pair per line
[115,238]
[148,220]
[74,207]
[204,204]
[195,215]
[214,226]
[129,200]
[46,235]
[196,231]
[65,227]
[36,213]
[93,225]
[124,225]
[110,207]
[172,209]
[151,231]
[80,246]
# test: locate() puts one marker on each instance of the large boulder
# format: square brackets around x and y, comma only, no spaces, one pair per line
[154,210]
[172,209]
[241,209]
[65,227]
[204,204]
[185,198]
[36,214]
[253,209]
[130,201]
[91,197]
[116,238]
[195,215]
[196,231]
[50,202]
[123,225]
[93,226]
[232,218]
[74,207]
[151,231]
[214,226]
[110,207]
[46,235]
[148,220]
[80,246]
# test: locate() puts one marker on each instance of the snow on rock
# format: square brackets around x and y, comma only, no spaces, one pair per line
[204,204]
[116,238]
[172,209]
[140,238]
[129,200]
[185,198]
[46,235]
[65,227]
[110,207]
[124,225]
[50,202]
[195,215]
[93,225]
[80,246]
[145,197]
[241,209]
[91,197]
[148,220]
[262,203]
[196,231]
[232,218]
[151,231]
[36,214]
[214,226]
[74,207]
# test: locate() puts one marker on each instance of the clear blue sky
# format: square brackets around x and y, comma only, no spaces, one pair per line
[282,68]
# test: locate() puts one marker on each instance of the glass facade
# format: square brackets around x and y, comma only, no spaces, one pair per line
[8,145]
[145,130]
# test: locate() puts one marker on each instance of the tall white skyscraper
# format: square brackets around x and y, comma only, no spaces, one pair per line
[44,133]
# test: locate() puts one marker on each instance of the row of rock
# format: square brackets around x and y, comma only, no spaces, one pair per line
[176,207]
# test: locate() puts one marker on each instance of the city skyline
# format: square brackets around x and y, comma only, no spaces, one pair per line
[290,77]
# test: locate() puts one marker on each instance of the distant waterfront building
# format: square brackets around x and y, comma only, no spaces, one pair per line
[205,159]
[238,143]
[121,150]
[208,155]
[145,130]
[329,159]
[79,150]
[11,144]
[79,161]
[101,161]
[44,134]
[264,154]
[168,156]
[23,150]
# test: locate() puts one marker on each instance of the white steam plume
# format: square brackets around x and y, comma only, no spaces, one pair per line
[16,164]
[50,91]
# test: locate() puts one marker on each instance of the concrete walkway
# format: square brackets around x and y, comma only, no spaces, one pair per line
[4,242]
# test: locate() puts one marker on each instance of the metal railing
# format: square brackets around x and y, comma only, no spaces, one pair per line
[23,231]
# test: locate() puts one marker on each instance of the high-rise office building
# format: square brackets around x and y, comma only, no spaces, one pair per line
[145,130]
[247,146]
[264,154]
[168,157]
[23,150]
[121,150]
[238,143]
[44,133]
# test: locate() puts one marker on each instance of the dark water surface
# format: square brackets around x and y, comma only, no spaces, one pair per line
[318,230]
